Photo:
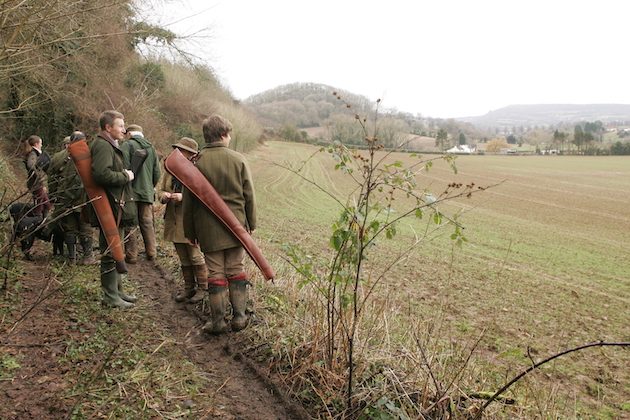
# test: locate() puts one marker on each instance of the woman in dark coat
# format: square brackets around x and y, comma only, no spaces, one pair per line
[36,164]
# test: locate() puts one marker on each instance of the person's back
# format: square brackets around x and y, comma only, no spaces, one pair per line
[67,188]
[64,182]
[147,176]
[229,173]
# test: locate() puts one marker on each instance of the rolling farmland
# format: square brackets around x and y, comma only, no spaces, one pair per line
[545,267]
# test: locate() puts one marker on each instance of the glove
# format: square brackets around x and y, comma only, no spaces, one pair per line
[130,174]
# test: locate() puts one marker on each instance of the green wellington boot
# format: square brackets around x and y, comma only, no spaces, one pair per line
[109,284]
[238,298]
[217,324]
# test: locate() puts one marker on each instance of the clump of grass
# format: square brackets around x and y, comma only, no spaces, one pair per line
[8,364]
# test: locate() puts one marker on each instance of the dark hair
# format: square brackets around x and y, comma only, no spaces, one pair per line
[215,127]
[108,117]
[29,143]
[33,140]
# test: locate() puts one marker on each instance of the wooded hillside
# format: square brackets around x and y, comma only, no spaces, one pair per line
[63,63]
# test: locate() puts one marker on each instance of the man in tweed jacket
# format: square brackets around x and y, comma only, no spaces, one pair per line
[229,173]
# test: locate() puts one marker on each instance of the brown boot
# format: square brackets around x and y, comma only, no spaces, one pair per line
[124,296]
[201,276]
[238,298]
[131,245]
[88,252]
[216,296]
[188,273]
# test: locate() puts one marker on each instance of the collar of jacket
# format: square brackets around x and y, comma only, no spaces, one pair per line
[109,138]
[214,144]
[141,141]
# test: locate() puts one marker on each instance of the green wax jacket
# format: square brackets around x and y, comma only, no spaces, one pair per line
[149,174]
[64,183]
[108,171]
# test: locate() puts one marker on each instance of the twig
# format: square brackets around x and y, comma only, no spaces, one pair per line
[210,410]
[535,366]
[39,300]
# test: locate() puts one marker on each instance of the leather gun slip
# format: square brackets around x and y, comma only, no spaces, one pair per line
[188,174]
[82,158]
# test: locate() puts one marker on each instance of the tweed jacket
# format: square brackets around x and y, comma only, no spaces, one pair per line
[107,170]
[36,176]
[229,174]
[174,214]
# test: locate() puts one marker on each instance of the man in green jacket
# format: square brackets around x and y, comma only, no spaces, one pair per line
[229,173]
[108,171]
[147,175]
[66,189]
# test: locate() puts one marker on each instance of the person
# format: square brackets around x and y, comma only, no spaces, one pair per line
[67,192]
[108,171]
[230,175]
[146,178]
[192,262]
[37,161]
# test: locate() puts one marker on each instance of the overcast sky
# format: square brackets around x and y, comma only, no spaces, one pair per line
[437,58]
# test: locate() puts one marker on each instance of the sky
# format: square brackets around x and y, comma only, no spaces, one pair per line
[440,59]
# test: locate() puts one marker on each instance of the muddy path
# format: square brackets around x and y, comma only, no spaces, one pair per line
[240,388]
[244,389]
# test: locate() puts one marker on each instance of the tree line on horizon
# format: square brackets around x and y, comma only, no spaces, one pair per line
[288,110]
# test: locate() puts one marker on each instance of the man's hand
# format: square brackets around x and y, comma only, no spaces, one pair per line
[130,175]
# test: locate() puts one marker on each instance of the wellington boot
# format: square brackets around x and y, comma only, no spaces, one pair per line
[188,274]
[88,252]
[199,295]
[71,244]
[109,284]
[121,293]
[238,298]
[201,277]
[217,324]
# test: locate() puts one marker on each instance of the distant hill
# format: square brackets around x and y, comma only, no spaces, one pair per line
[313,105]
[304,104]
[544,115]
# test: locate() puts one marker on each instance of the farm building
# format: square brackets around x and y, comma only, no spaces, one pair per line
[464,148]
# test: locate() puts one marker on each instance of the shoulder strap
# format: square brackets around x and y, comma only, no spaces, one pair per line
[65,162]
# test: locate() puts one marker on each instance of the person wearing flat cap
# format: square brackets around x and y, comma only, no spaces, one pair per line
[147,175]
[193,264]
[67,191]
